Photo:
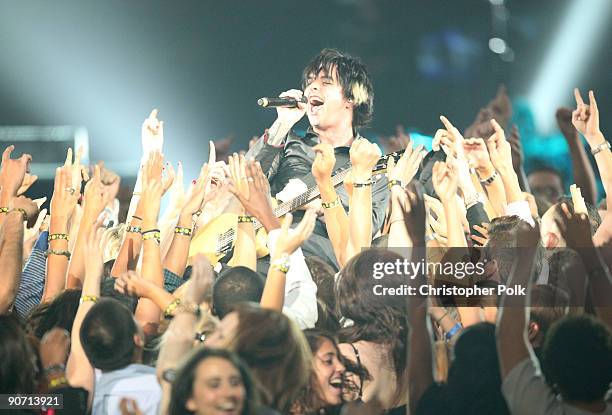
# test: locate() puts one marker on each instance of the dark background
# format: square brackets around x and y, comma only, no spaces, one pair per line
[105,64]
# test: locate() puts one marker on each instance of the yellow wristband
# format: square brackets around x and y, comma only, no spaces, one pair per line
[245,219]
[337,202]
[92,298]
[171,307]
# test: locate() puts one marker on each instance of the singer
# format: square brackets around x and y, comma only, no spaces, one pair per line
[340,101]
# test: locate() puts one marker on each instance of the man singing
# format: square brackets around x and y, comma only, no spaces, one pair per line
[340,101]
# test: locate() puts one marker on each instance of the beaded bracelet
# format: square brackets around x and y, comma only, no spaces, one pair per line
[282,264]
[337,202]
[171,307]
[134,229]
[62,252]
[4,210]
[61,381]
[23,213]
[92,298]
[394,182]
[183,231]
[245,219]
[363,184]
[151,235]
[56,236]
[489,179]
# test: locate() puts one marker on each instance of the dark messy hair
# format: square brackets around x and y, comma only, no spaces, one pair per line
[353,78]
[57,313]
[577,358]
[235,286]
[17,358]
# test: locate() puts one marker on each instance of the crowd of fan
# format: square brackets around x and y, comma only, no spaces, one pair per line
[132,318]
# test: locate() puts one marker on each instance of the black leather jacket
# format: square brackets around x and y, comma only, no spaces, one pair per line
[294,159]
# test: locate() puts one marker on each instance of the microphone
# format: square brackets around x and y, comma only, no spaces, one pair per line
[280,102]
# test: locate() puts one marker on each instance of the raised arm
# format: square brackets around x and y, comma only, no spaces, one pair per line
[364,156]
[586,120]
[79,371]
[179,337]
[21,209]
[63,203]
[245,251]
[146,311]
[445,180]
[336,219]
[513,317]
[12,173]
[584,176]
[176,258]
[287,242]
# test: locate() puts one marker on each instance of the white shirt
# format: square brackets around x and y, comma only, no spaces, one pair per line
[521,209]
[135,381]
[300,289]
[527,392]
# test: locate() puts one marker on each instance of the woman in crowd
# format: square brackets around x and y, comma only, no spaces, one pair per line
[210,382]
[274,349]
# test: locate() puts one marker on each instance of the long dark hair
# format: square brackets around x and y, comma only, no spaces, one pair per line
[182,388]
[277,354]
[377,319]
[18,368]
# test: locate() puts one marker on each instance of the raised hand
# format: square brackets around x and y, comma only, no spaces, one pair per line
[12,173]
[578,200]
[480,241]
[586,118]
[77,171]
[152,134]
[476,153]
[28,206]
[414,213]
[324,162]
[364,156]
[499,148]
[566,126]
[255,196]
[575,228]
[93,198]
[94,263]
[195,195]
[152,189]
[407,166]
[445,180]
[65,197]
[290,240]
[133,284]
[290,116]
[200,283]
[28,181]
[449,139]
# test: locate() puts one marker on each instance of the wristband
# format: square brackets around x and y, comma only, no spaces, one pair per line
[281,264]
[600,147]
[472,200]
[56,236]
[152,235]
[489,180]
[134,229]
[245,219]
[23,213]
[92,298]
[453,331]
[171,307]
[363,184]
[189,308]
[61,381]
[335,203]
[136,217]
[394,182]
[183,231]
[55,368]
[4,210]
[62,252]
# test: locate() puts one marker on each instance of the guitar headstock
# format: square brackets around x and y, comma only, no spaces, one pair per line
[381,164]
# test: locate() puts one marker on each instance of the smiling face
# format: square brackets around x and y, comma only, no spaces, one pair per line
[217,388]
[327,106]
[328,371]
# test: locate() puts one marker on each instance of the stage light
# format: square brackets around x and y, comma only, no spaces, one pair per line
[567,59]
[497,45]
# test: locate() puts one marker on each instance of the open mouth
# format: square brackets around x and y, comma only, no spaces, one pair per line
[229,407]
[336,383]
[315,103]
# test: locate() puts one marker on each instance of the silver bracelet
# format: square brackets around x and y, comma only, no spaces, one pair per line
[600,147]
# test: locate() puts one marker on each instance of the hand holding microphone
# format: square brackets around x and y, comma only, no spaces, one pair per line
[290,106]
